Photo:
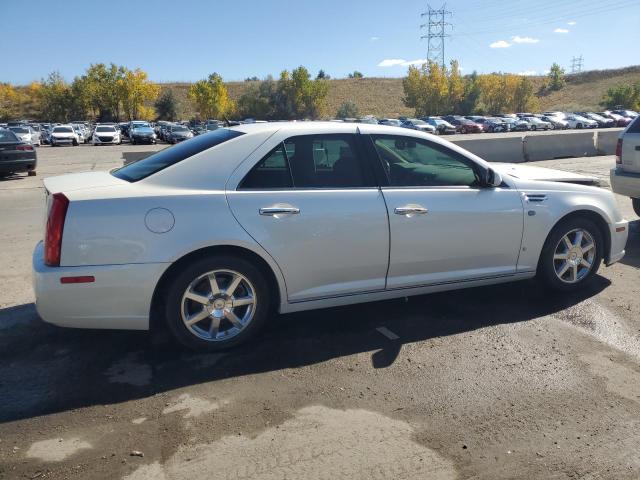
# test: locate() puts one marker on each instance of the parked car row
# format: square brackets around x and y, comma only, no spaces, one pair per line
[513,122]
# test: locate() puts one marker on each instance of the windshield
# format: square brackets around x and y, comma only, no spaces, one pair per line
[7,136]
[62,130]
[105,129]
[165,158]
[19,129]
[179,129]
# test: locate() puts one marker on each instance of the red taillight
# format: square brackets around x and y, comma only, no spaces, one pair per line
[55,226]
[83,279]
[619,152]
[25,147]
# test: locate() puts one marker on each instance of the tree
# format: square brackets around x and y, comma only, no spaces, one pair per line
[55,98]
[167,106]
[456,87]
[297,96]
[555,78]
[210,97]
[258,101]
[493,97]
[471,96]
[252,79]
[627,96]
[8,101]
[524,99]
[356,74]
[347,110]
[322,75]
[426,89]
[134,90]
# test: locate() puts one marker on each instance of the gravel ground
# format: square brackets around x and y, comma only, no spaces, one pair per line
[489,383]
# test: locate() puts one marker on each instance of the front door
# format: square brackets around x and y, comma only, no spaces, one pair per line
[445,226]
[313,205]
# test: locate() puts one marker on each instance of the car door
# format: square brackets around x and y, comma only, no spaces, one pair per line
[445,226]
[314,206]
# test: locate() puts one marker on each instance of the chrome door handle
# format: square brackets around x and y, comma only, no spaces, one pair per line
[411,210]
[273,211]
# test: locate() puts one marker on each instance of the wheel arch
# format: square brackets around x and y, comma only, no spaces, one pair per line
[597,218]
[272,277]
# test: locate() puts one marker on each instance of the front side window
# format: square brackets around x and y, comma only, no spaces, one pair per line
[311,161]
[412,162]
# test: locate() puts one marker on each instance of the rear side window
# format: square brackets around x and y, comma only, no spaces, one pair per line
[169,156]
[311,161]
[635,126]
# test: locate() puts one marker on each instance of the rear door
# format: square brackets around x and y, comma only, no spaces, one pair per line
[631,147]
[313,204]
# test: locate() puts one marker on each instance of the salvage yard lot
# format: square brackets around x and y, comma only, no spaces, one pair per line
[495,382]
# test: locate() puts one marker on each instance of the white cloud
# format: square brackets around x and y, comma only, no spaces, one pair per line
[528,73]
[374,39]
[572,23]
[391,62]
[395,62]
[419,61]
[561,30]
[519,39]
[500,44]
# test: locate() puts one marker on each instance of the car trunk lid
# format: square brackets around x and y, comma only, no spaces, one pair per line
[81,181]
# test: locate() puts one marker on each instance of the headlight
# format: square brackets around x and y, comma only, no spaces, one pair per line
[153,135]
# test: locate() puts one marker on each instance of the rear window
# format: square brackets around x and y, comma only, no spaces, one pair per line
[7,136]
[169,156]
[62,130]
[635,126]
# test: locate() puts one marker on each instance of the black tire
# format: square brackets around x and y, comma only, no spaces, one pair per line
[534,128]
[180,281]
[579,126]
[636,205]
[75,143]
[546,270]
[133,142]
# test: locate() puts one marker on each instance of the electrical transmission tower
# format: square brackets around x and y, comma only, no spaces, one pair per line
[436,32]
[576,64]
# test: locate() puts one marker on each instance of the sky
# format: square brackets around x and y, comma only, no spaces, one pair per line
[185,40]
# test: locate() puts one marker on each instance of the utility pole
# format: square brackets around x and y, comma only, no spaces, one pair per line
[436,32]
[576,64]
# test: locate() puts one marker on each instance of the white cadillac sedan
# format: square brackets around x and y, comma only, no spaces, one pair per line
[210,236]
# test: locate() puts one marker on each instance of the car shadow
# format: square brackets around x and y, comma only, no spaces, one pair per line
[12,176]
[45,369]
[632,255]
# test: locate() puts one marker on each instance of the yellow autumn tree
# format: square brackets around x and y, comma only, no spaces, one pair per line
[8,101]
[135,90]
[210,97]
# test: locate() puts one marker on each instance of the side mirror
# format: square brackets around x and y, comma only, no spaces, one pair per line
[494,179]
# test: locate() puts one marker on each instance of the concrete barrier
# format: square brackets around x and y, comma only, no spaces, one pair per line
[496,149]
[606,141]
[549,145]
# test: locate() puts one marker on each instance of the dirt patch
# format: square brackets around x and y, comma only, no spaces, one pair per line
[319,442]
[192,406]
[56,449]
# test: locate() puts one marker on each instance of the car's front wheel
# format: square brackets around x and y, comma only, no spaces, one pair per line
[216,303]
[571,255]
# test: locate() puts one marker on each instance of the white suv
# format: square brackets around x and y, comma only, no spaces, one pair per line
[625,178]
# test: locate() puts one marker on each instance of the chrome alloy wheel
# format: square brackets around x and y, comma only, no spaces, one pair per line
[574,256]
[218,305]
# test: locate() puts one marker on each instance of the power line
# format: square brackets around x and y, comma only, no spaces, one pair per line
[436,28]
[576,64]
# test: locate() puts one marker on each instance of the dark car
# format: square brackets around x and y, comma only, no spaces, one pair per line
[490,124]
[178,133]
[464,125]
[142,134]
[16,155]
[619,119]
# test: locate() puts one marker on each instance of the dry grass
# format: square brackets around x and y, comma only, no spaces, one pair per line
[382,97]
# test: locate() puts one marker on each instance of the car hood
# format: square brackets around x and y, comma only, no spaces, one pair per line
[526,172]
[142,131]
[63,134]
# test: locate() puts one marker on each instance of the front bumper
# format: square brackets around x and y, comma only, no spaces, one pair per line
[619,233]
[120,297]
[625,183]
[63,141]
[149,140]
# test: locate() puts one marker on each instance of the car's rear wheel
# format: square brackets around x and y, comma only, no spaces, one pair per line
[571,255]
[216,303]
[636,205]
